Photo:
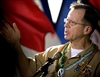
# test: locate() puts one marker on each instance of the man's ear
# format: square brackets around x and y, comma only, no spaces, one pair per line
[87,29]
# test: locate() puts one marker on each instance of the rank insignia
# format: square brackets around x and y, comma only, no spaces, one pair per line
[86,72]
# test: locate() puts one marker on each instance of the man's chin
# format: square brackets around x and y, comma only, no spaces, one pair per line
[67,38]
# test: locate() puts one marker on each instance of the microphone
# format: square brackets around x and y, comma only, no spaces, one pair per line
[56,56]
[44,68]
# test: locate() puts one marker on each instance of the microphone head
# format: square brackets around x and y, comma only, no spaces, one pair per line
[57,56]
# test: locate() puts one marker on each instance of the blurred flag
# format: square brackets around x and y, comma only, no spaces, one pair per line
[31,21]
[95,4]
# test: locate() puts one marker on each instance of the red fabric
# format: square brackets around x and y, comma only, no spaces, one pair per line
[96,4]
[31,21]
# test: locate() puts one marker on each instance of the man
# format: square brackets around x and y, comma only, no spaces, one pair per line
[80,56]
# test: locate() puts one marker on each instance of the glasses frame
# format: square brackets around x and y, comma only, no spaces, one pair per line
[72,23]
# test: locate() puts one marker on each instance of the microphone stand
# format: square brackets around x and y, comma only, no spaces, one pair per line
[44,68]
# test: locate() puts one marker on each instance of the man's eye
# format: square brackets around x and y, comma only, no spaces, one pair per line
[73,22]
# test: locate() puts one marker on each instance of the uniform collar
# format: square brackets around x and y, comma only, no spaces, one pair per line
[88,49]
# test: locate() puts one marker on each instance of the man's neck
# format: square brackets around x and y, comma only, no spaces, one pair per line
[80,44]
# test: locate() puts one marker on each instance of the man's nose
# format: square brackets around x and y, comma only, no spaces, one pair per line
[66,25]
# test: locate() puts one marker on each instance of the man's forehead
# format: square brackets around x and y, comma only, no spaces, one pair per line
[78,13]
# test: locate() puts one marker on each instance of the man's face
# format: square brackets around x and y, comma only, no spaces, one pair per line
[74,27]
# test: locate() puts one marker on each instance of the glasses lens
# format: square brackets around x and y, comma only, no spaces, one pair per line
[70,22]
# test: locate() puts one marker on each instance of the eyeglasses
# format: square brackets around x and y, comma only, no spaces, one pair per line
[71,23]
